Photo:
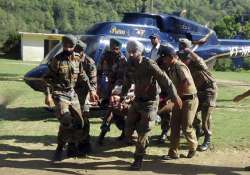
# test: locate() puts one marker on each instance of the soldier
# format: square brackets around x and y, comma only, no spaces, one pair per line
[206,87]
[181,118]
[64,71]
[108,66]
[82,88]
[146,75]
[185,43]
[165,115]
[115,67]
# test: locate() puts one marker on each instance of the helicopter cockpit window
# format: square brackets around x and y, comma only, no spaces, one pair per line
[140,20]
[52,53]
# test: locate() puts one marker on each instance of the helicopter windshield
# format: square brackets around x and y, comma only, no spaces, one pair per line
[140,20]
[52,53]
[91,40]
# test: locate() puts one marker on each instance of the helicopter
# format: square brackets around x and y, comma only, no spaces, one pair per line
[139,26]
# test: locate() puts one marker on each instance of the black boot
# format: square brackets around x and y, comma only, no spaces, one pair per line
[84,149]
[137,164]
[58,155]
[206,144]
[101,137]
[163,136]
[71,150]
[247,168]
[122,136]
[199,132]
[191,154]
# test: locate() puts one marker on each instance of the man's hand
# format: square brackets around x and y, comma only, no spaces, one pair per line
[49,101]
[187,50]
[93,96]
[178,102]
[238,98]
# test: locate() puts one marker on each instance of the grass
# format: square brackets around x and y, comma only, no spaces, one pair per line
[24,120]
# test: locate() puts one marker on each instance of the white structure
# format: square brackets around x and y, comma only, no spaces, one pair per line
[33,45]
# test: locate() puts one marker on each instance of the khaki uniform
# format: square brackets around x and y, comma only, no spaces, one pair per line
[183,118]
[82,87]
[142,113]
[207,92]
[64,71]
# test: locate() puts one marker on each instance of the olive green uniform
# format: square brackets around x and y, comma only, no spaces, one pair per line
[142,113]
[183,118]
[63,73]
[207,91]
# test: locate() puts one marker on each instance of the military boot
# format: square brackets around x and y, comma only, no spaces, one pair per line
[247,168]
[101,137]
[163,136]
[122,136]
[58,155]
[191,154]
[84,149]
[205,145]
[71,150]
[137,164]
[199,132]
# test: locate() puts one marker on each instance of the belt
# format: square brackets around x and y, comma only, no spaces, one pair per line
[63,89]
[141,99]
[188,97]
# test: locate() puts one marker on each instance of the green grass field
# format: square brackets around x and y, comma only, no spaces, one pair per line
[24,120]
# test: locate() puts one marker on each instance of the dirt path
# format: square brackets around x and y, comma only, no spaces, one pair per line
[232,83]
[34,159]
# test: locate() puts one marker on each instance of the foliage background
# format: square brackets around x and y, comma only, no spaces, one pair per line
[76,16]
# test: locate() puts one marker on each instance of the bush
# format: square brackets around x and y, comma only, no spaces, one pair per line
[228,65]
[223,65]
[12,45]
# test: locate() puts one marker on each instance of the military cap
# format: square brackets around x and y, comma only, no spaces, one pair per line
[81,45]
[154,35]
[69,39]
[166,51]
[186,41]
[115,42]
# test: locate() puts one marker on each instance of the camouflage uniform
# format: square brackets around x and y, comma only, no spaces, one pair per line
[82,87]
[63,73]
[142,113]
[115,115]
[207,93]
[108,67]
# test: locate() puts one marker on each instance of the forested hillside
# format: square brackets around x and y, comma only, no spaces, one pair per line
[75,16]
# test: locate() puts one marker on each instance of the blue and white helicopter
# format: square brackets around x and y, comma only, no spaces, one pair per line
[140,26]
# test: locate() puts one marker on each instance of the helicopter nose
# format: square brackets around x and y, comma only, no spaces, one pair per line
[33,78]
